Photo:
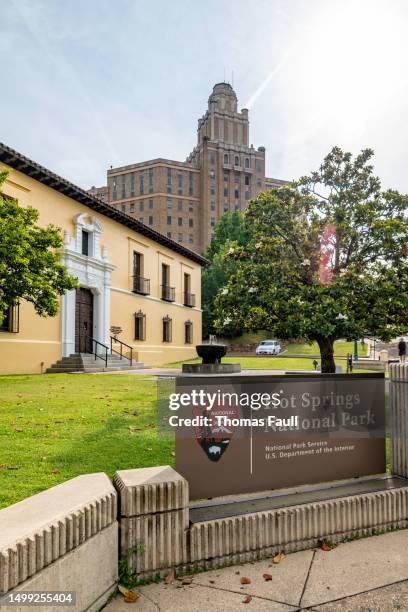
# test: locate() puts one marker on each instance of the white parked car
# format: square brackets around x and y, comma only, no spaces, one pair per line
[268,347]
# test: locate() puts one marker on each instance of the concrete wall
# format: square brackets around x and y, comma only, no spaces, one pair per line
[154,513]
[399,418]
[65,538]
[162,538]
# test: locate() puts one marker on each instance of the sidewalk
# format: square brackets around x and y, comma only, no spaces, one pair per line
[367,575]
[154,371]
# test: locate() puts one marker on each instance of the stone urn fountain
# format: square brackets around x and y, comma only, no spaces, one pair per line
[211,354]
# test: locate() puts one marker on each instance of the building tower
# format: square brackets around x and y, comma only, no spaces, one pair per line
[232,171]
[184,200]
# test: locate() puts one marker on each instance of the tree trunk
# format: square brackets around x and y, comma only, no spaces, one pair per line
[326,346]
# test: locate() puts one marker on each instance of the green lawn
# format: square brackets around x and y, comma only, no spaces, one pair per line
[249,337]
[267,363]
[291,358]
[341,348]
[56,426]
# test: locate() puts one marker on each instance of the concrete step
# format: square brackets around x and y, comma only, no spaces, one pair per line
[86,362]
[61,370]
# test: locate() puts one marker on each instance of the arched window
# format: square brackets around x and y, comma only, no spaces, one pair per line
[237,160]
[247,162]
[226,160]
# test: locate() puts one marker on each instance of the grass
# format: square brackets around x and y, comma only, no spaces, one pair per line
[341,348]
[57,426]
[267,363]
[249,337]
[291,358]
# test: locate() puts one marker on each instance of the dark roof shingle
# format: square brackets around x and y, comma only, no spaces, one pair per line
[23,164]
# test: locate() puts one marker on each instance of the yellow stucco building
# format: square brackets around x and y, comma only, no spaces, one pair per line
[131,277]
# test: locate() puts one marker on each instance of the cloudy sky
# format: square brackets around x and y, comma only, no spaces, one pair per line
[90,83]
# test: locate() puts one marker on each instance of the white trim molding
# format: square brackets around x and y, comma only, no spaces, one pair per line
[93,272]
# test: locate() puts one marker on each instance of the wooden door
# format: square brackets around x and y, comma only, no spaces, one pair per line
[83,321]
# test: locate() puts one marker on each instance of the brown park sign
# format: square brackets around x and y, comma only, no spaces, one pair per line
[241,434]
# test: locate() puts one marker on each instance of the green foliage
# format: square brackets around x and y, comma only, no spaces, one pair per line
[29,260]
[229,230]
[326,259]
[127,576]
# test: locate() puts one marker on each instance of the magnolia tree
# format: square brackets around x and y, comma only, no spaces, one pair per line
[30,267]
[229,228]
[326,259]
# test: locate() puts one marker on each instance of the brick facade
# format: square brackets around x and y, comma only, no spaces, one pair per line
[184,200]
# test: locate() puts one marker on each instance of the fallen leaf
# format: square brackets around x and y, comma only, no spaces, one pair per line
[325,546]
[129,596]
[267,577]
[169,579]
[18,429]
[187,580]
[2,466]
[245,580]
[247,599]
[173,454]
[278,558]
[55,471]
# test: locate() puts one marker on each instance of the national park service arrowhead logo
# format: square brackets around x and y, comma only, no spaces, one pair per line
[215,439]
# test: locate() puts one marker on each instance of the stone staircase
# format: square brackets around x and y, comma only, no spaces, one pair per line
[86,362]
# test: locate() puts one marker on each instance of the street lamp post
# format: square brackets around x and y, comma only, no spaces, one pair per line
[355,350]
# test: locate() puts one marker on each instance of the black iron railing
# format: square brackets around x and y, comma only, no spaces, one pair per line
[168,293]
[141,285]
[93,348]
[113,341]
[189,299]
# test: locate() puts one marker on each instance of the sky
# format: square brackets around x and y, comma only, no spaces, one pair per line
[91,83]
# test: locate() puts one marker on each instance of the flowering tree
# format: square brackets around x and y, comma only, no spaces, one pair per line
[326,259]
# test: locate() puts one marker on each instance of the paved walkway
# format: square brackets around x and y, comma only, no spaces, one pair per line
[152,371]
[367,575]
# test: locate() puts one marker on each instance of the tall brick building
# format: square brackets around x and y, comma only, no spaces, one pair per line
[184,200]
